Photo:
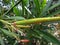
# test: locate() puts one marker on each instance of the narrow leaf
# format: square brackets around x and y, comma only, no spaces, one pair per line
[15,18]
[1,41]
[10,34]
[48,37]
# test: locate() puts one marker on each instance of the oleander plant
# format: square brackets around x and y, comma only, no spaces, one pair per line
[29,22]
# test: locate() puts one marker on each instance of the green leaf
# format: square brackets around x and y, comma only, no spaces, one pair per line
[15,18]
[6,1]
[37,7]
[43,3]
[43,12]
[12,7]
[1,25]
[8,33]
[47,36]
[15,9]
[1,41]
[54,13]
[52,7]
[28,10]
[26,2]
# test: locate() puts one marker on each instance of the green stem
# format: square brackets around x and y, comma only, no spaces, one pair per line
[38,20]
[22,8]
[5,22]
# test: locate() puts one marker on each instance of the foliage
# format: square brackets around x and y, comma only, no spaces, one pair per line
[29,20]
